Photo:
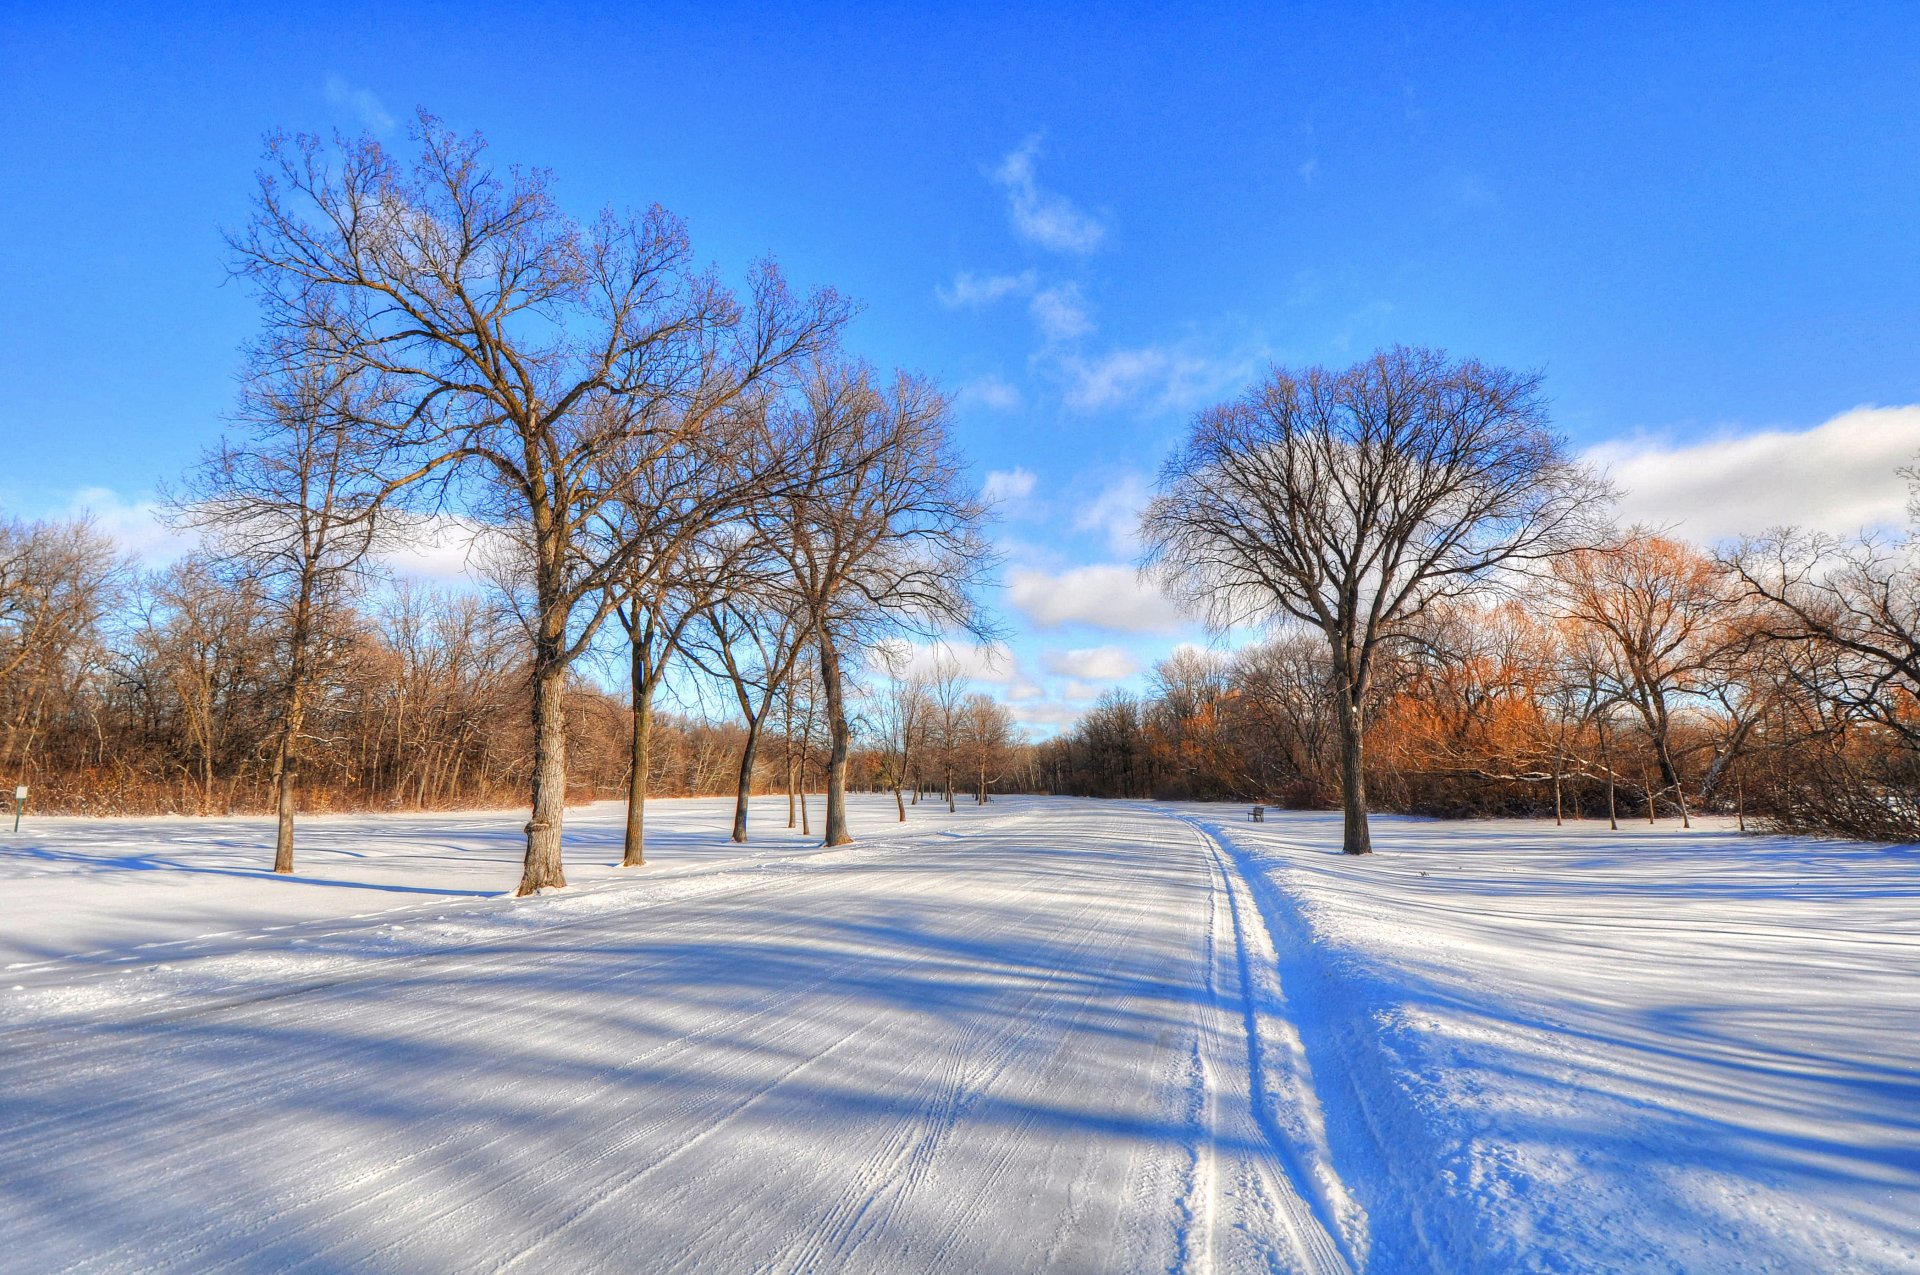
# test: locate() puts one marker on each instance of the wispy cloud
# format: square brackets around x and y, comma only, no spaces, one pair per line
[1007,484]
[1102,596]
[1159,377]
[361,102]
[1115,513]
[1041,216]
[970,291]
[1840,476]
[1060,313]
[990,391]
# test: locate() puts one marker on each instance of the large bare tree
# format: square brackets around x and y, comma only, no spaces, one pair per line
[528,351]
[1350,501]
[880,529]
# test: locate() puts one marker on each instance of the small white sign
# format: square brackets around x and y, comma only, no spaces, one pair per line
[20,793]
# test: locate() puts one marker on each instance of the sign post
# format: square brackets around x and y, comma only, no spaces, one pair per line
[19,804]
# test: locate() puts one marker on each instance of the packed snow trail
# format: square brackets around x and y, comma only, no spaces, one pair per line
[1021,1038]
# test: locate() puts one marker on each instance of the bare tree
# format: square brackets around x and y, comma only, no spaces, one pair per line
[58,581]
[879,529]
[295,501]
[904,711]
[1663,615]
[946,694]
[1351,501]
[988,735]
[752,640]
[1842,621]
[679,530]
[527,352]
[1861,600]
[203,656]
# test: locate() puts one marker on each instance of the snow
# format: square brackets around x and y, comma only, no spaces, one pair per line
[1043,1034]
[1577,1049]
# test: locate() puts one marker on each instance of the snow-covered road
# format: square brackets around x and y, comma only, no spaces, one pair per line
[1007,1040]
[1053,1035]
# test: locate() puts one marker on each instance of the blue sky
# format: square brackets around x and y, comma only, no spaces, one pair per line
[1703,227]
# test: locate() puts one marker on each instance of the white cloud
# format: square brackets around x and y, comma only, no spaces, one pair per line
[1102,596]
[1041,216]
[1092,663]
[990,391]
[1308,171]
[134,526]
[971,291]
[445,549]
[1840,476]
[1157,376]
[993,663]
[1060,312]
[1007,484]
[1115,513]
[361,102]
[1044,714]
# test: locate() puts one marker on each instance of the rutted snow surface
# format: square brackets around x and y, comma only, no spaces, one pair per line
[1074,1036]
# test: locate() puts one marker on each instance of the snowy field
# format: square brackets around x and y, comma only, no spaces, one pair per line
[1042,1035]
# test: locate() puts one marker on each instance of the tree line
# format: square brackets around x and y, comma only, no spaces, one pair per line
[632,447]
[126,691]
[674,484]
[1456,627]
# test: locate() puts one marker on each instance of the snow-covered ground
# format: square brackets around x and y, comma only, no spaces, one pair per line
[1040,1035]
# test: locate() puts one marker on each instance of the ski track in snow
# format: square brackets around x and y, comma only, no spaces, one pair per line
[1058,1035]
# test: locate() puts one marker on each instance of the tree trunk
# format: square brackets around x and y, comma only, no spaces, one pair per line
[1558,806]
[542,868]
[283,799]
[636,843]
[744,793]
[1356,837]
[901,802]
[1670,775]
[835,829]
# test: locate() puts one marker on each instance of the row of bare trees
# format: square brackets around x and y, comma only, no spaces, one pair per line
[130,691]
[617,437]
[932,734]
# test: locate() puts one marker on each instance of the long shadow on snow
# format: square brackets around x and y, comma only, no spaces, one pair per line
[715,1007]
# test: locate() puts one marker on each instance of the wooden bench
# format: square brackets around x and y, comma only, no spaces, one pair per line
[1257,815]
